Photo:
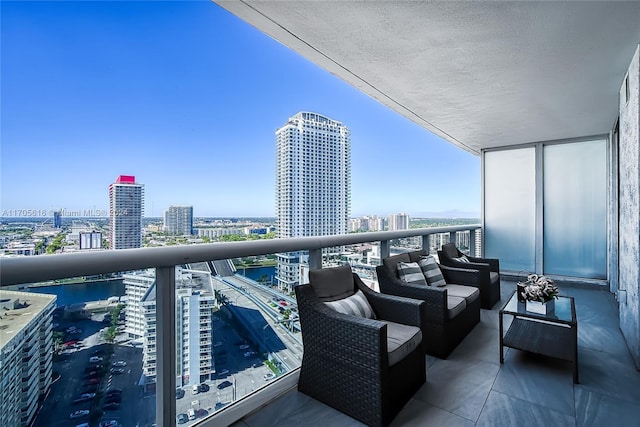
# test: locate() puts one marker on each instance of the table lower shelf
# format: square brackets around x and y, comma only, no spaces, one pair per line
[554,340]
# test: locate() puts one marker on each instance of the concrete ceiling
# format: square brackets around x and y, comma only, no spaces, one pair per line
[478,74]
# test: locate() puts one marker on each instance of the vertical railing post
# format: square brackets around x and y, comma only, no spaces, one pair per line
[426,243]
[452,237]
[472,243]
[385,246]
[315,259]
[165,346]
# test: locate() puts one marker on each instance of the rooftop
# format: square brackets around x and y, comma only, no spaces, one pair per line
[17,309]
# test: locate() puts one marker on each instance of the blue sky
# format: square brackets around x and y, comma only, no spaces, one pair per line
[187,98]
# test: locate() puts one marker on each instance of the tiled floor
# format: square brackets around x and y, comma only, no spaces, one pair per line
[472,388]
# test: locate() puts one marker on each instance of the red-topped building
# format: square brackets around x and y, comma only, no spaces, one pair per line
[126,206]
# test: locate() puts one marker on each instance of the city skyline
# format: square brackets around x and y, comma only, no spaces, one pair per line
[187,98]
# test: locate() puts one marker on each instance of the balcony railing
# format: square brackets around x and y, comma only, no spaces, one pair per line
[23,270]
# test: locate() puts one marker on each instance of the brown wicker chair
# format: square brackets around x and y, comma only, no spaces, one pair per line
[486,269]
[346,363]
[444,329]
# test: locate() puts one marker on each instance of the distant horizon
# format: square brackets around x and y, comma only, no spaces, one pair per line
[435,215]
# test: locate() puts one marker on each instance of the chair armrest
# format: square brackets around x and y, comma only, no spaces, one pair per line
[435,299]
[465,276]
[494,263]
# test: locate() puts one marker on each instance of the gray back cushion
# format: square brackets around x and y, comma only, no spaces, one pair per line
[415,256]
[390,263]
[355,305]
[450,250]
[333,283]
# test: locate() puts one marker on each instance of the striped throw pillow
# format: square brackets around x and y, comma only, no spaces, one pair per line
[462,258]
[411,273]
[431,271]
[355,305]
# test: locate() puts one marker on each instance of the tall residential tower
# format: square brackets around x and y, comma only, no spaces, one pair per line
[178,220]
[126,206]
[313,184]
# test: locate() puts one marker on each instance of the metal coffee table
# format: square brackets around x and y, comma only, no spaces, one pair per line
[554,334]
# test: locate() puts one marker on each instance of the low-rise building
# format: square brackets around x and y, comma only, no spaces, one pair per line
[194,335]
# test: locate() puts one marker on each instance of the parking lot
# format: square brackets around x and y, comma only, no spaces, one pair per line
[89,368]
[83,384]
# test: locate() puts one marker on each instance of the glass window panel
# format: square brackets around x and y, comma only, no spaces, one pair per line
[509,208]
[575,209]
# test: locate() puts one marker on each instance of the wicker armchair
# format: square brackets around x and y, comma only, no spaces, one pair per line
[446,325]
[346,362]
[487,271]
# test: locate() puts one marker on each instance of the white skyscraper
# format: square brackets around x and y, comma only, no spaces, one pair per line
[126,207]
[313,184]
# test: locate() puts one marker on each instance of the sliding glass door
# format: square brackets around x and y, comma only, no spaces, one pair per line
[545,208]
[575,209]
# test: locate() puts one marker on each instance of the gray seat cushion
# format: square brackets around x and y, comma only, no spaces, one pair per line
[469,293]
[333,283]
[455,305]
[494,277]
[401,340]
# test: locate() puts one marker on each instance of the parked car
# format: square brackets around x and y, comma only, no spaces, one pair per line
[110,423]
[195,389]
[92,381]
[117,371]
[268,376]
[179,393]
[111,406]
[203,387]
[113,398]
[182,418]
[250,354]
[88,395]
[224,384]
[95,359]
[244,346]
[111,391]
[79,413]
[119,363]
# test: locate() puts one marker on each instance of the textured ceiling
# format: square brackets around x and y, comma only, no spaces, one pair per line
[478,74]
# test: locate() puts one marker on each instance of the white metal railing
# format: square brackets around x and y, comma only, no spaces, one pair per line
[21,270]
